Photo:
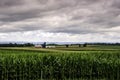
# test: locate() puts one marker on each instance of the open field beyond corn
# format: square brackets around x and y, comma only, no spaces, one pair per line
[90,63]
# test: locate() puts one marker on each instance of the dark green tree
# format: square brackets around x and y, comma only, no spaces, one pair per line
[44,45]
[85,45]
[67,45]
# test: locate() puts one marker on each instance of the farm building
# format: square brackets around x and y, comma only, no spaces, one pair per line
[41,46]
[38,46]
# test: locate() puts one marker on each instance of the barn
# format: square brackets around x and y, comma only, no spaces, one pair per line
[38,46]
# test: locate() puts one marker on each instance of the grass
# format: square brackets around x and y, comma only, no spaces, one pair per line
[90,63]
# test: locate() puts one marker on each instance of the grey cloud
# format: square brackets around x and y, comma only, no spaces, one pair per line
[103,14]
[115,4]
[20,16]
[8,3]
[108,19]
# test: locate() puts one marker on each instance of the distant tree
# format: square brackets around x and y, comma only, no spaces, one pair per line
[79,45]
[11,44]
[67,45]
[44,45]
[85,45]
[16,45]
[28,45]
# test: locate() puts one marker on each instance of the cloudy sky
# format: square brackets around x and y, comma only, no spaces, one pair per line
[60,20]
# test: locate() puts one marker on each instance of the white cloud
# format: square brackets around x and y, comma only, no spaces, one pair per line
[41,36]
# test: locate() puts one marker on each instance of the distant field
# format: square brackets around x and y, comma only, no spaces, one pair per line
[60,63]
[71,48]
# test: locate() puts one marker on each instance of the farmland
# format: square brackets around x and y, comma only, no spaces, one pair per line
[60,63]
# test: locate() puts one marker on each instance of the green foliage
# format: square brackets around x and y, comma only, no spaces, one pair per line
[57,65]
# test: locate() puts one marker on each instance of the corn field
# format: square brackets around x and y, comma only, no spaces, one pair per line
[24,65]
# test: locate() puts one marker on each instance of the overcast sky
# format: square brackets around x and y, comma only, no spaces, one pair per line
[60,20]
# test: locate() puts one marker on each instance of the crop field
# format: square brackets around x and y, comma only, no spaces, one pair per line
[60,63]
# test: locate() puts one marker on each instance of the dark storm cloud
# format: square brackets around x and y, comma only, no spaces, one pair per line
[20,16]
[116,4]
[9,3]
[64,16]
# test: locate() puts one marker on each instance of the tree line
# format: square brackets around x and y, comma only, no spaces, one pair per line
[16,45]
[116,44]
